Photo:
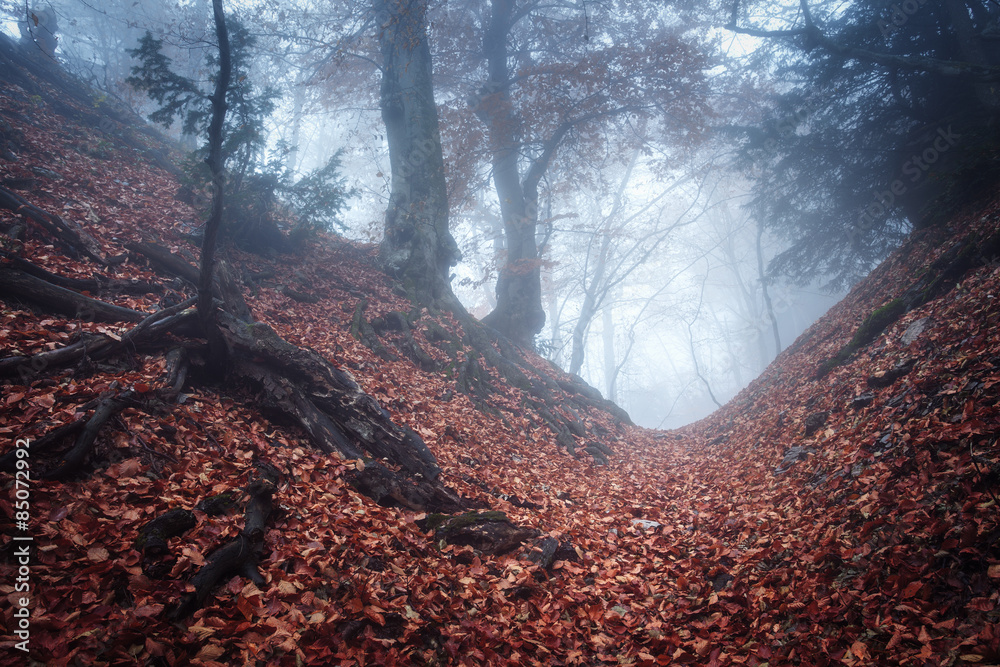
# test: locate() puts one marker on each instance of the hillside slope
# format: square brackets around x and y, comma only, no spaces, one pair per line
[843,519]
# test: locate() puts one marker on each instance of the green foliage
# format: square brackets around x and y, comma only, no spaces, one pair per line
[320,196]
[258,191]
[854,153]
[177,96]
[182,99]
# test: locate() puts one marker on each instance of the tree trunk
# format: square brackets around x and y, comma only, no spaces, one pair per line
[610,365]
[768,306]
[418,248]
[216,163]
[518,314]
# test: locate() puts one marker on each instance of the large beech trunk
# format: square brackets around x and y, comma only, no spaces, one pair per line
[518,314]
[418,248]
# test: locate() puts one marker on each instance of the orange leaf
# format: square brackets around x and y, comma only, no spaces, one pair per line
[860,650]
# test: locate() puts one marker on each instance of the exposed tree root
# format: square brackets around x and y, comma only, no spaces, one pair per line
[153,540]
[35,290]
[299,384]
[242,554]
[95,285]
[70,237]
[98,346]
[106,409]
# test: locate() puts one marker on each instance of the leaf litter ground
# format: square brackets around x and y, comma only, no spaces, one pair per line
[876,544]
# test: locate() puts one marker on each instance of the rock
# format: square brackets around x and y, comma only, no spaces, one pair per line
[46,173]
[646,524]
[862,401]
[721,580]
[599,457]
[542,551]
[793,456]
[879,380]
[916,328]
[816,421]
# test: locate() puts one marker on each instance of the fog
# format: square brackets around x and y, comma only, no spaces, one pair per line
[655,227]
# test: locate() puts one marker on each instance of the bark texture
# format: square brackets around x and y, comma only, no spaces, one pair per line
[418,248]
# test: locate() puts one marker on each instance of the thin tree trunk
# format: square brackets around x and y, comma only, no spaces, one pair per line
[591,302]
[763,288]
[597,290]
[610,366]
[206,311]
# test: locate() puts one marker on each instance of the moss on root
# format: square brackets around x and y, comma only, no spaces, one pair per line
[877,322]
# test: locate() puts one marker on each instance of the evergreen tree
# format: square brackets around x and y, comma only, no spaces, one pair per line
[256,188]
[886,123]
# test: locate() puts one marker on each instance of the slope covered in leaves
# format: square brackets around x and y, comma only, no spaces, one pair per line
[869,541]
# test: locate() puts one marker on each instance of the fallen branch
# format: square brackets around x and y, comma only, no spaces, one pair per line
[92,285]
[106,409]
[97,346]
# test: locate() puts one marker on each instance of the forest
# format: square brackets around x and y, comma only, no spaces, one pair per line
[426,332]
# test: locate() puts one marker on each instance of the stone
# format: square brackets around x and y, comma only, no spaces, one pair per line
[815,422]
[916,328]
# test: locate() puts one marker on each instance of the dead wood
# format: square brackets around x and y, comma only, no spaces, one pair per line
[23,286]
[56,435]
[98,346]
[93,285]
[487,532]
[242,554]
[153,536]
[71,237]
[106,409]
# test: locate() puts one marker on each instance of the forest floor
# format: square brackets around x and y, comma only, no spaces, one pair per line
[847,516]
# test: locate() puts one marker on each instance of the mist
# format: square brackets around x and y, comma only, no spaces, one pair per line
[696,194]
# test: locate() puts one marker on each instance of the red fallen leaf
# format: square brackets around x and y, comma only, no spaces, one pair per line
[210,652]
[14,398]
[243,604]
[912,589]
[155,649]
[994,571]
[148,610]
[924,637]
[141,387]
[97,554]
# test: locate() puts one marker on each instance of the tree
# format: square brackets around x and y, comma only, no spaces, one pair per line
[622,243]
[417,248]
[39,26]
[559,76]
[253,183]
[885,122]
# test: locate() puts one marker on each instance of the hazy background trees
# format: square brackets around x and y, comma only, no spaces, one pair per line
[655,195]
